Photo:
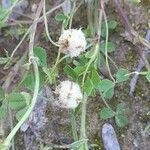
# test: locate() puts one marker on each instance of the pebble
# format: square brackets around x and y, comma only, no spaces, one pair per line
[109,137]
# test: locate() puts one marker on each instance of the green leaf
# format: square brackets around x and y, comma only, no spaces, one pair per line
[70,72]
[29,81]
[42,56]
[95,78]
[79,70]
[109,93]
[148,76]
[106,88]
[122,75]
[89,53]
[27,97]
[78,145]
[16,100]
[110,47]
[21,112]
[122,108]
[3,13]
[2,94]
[112,24]
[88,86]
[3,111]
[60,17]
[121,120]
[66,22]
[106,113]
[4,60]
[105,85]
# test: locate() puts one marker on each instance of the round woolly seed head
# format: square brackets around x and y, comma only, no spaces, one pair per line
[69,94]
[72,42]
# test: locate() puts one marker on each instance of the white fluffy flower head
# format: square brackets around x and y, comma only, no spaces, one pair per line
[72,42]
[69,94]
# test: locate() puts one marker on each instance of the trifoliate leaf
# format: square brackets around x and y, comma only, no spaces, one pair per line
[106,113]
[60,17]
[16,100]
[122,108]
[122,75]
[110,47]
[105,85]
[112,24]
[121,120]
[108,94]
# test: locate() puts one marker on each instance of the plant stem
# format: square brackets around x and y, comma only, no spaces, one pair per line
[74,126]
[51,10]
[106,42]
[26,115]
[90,62]
[25,35]
[46,25]
[113,63]
[72,13]
[107,105]
[89,17]
[83,122]
[36,72]
[11,126]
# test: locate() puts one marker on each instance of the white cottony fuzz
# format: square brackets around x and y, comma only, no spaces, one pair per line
[69,94]
[72,42]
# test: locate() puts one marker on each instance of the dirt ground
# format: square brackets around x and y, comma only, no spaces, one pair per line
[57,127]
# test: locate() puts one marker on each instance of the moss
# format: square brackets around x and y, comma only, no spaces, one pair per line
[97,140]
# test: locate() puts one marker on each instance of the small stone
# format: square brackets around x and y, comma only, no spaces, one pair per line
[109,137]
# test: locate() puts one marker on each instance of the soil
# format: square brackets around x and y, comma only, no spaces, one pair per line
[57,128]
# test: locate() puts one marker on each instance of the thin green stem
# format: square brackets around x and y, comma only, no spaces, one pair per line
[106,42]
[25,35]
[72,13]
[7,141]
[26,115]
[9,11]
[58,60]
[16,48]
[11,126]
[74,126]
[107,105]
[113,62]
[136,72]
[46,26]
[90,62]
[51,10]
[89,16]
[83,121]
